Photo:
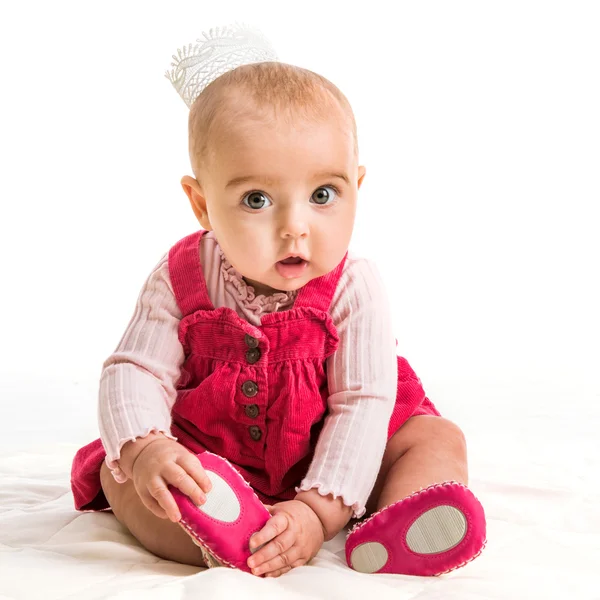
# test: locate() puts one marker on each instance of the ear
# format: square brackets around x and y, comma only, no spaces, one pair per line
[194,192]
[362,171]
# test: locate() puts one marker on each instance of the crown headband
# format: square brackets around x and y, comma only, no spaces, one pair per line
[222,50]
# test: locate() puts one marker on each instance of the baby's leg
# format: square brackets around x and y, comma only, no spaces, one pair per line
[424,451]
[160,536]
[424,524]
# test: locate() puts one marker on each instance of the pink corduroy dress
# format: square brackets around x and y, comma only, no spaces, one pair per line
[256,396]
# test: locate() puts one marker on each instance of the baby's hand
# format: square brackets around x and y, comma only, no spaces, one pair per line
[163,462]
[294,534]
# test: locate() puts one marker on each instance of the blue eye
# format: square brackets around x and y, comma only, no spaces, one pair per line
[322,196]
[256,200]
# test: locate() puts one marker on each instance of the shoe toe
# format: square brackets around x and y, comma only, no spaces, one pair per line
[232,513]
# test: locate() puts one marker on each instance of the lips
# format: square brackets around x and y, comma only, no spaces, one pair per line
[292,266]
[294,257]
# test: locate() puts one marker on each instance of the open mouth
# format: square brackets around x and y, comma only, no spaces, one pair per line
[291,267]
[292,260]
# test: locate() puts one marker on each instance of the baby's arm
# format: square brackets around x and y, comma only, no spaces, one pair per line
[137,386]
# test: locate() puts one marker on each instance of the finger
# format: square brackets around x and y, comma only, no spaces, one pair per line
[275,526]
[297,563]
[158,490]
[281,561]
[278,572]
[282,543]
[152,505]
[194,468]
[178,477]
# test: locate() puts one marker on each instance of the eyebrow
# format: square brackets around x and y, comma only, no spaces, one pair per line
[246,178]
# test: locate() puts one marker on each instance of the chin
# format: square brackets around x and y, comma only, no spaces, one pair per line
[291,285]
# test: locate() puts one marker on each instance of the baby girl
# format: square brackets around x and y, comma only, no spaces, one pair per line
[256,397]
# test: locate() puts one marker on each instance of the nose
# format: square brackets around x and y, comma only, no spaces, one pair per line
[293,224]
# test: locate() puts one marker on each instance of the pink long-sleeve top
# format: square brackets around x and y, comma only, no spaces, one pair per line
[137,386]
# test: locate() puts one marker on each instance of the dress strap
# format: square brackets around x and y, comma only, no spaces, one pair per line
[187,279]
[318,293]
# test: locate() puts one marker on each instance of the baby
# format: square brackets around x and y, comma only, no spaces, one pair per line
[261,340]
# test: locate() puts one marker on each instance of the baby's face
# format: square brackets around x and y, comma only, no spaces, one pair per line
[275,190]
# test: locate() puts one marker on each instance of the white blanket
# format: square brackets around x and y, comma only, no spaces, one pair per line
[534,458]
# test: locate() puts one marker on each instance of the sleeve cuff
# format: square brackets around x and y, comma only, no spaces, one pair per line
[358,508]
[113,463]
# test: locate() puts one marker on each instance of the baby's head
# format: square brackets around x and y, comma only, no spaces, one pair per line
[274,152]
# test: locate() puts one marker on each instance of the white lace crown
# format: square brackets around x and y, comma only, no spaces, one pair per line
[222,50]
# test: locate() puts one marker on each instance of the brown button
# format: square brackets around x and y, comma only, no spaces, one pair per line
[252,355]
[251,342]
[252,411]
[255,432]
[250,389]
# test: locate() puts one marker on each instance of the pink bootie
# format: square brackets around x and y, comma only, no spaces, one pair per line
[431,532]
[232,513]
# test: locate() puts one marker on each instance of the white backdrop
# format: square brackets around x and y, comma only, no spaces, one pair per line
[480,130]
[479,127]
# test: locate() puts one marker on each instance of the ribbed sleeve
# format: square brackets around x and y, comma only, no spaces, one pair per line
[362,380]
[137,385]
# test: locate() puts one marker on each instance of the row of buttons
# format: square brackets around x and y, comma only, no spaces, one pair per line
[253,355]
[250,388]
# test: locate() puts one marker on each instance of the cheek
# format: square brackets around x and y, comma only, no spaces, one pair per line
[245,242]
[339,227]
[231,225]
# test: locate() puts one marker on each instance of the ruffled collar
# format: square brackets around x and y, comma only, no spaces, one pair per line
[257,304]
